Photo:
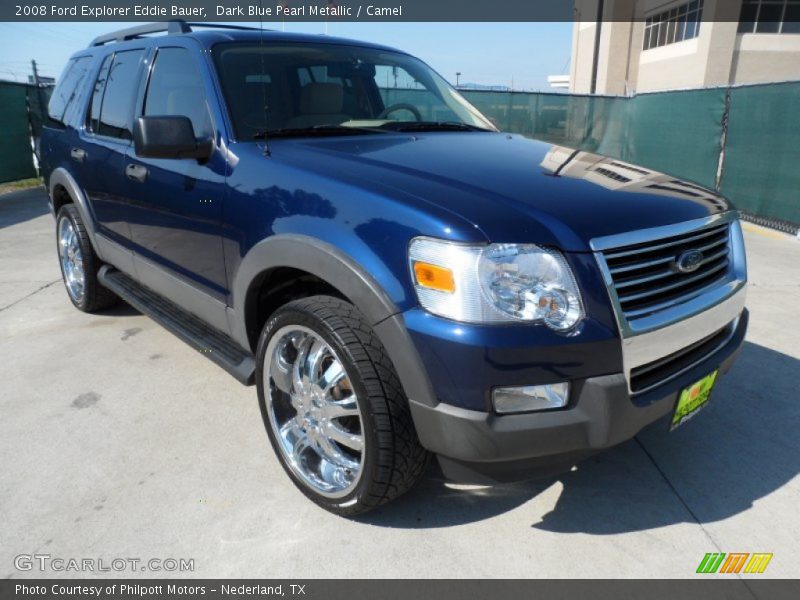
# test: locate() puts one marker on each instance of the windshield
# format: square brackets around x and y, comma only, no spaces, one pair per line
[329,89]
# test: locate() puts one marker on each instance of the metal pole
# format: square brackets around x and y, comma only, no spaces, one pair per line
[42,107]
[596,58]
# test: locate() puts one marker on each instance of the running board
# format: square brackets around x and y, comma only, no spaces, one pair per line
[210,342]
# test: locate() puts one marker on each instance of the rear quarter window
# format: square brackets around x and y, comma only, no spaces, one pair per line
[64,99]
[93,117]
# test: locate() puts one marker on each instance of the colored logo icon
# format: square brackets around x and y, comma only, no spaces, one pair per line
[734,562]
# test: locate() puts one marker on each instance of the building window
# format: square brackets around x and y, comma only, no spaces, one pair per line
[673,25]
[770,16]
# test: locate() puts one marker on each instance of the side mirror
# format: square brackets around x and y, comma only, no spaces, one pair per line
[168,137]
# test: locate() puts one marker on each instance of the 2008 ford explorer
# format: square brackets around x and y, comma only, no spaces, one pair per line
[332,221]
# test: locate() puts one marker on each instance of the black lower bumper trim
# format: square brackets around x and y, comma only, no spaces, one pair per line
[601,415]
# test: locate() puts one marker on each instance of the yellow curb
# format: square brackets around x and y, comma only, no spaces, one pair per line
[775,235]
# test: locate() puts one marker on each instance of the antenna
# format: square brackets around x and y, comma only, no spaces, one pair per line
[267,151]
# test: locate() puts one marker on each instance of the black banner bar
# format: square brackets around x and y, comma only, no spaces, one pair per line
[320,589]
[276,11]
[289,10]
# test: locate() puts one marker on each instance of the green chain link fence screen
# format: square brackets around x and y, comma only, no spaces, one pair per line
[16,158]
[761,170]
[680,133]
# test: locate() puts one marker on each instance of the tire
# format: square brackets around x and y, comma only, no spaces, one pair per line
[299,414]
[79,263]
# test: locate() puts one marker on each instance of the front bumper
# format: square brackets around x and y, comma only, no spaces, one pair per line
[480,446]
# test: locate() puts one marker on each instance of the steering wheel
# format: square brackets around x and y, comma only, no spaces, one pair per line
[400,106]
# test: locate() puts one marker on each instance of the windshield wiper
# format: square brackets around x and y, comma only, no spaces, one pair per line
[314,130]
[430,126]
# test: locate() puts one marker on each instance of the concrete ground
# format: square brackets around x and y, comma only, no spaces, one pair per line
[119,441]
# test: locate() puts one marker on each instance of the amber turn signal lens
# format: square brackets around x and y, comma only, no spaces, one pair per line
[434,277]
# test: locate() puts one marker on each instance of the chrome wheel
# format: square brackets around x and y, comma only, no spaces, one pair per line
[313,411]
[69,251]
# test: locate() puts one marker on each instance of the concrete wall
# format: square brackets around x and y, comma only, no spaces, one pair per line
[582,53]
[704,61]
[718,56]
[764,57]
[615,41]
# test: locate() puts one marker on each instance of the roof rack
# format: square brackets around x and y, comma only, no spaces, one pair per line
[169,27]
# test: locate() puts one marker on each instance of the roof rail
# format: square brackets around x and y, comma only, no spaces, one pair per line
[132,33]
[169,27]
[224,26]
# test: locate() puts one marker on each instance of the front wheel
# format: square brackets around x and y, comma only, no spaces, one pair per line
[333,407]
[79,263]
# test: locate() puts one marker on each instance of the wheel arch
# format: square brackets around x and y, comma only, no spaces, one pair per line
[335,273]
[63,189]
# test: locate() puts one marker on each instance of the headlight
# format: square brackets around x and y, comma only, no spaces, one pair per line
[495,283]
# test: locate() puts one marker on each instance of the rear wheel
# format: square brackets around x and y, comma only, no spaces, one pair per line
[333,407]
[79,263]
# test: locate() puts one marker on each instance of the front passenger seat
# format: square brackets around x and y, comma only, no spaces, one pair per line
[320,104]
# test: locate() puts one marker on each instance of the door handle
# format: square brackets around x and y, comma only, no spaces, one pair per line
[77,154]
[136,173]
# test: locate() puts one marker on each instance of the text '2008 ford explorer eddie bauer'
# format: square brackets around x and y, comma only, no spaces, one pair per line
[332,221]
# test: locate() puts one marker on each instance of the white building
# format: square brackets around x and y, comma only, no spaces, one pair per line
[650,45]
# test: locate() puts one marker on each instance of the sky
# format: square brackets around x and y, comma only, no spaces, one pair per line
[484,53]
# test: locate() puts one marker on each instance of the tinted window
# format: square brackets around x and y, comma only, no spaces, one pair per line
[791,18]
[300,86]
[93,118]
[119,98]
[176,88]
[69,85]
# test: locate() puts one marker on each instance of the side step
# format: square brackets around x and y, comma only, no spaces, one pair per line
[205,339]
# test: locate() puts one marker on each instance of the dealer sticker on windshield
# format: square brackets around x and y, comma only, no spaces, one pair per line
[692,399]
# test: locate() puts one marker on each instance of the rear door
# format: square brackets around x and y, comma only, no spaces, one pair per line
[60,133]
[176,204]
[103,141]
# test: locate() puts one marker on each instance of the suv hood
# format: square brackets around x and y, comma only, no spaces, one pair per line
[512,188]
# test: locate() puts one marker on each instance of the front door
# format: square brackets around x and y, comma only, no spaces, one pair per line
[175,205]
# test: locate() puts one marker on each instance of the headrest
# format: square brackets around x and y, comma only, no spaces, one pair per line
[183,100]
[321,99]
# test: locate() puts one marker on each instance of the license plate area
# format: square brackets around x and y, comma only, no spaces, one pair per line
[692,399]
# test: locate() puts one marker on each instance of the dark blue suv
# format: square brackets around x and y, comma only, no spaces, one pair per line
[332,221]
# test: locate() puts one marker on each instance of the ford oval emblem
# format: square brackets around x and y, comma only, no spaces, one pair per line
[688,261]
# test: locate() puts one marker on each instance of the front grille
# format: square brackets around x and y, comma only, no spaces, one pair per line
[650,375]
[645,276]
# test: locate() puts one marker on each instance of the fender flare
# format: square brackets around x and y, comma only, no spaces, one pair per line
[60,176]
[341,271]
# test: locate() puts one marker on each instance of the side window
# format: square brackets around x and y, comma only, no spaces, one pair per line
[69,85]
[119,97]
[176,88]
[93,118]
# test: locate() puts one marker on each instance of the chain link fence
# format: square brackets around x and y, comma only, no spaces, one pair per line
[24,110]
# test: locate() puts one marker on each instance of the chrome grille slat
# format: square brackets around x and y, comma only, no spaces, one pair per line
[652,292]
[645,278]
[632,314]
[724,240]
[641,265]
[704,234]
[661,274]
[660,261]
